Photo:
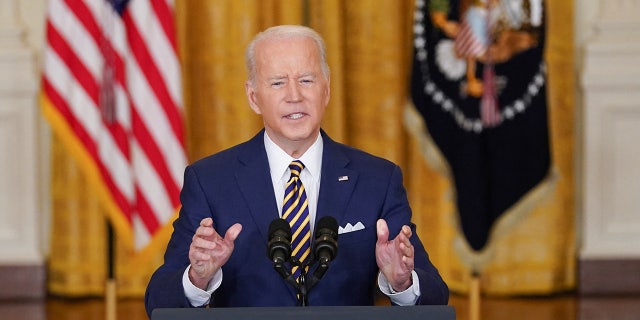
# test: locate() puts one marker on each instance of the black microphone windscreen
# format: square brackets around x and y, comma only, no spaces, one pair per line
[280,224]
[326,222]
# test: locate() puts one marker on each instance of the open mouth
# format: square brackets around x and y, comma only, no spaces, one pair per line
[295,116]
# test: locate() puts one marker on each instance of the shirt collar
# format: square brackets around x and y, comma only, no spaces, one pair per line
[279,160]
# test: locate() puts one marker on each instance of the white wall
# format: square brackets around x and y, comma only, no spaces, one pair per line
[21,212]
[608,43]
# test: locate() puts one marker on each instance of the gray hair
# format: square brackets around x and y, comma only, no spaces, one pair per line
[284,32]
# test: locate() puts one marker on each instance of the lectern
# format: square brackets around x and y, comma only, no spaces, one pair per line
[309,313]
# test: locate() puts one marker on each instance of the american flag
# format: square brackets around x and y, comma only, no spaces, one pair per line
[111,90]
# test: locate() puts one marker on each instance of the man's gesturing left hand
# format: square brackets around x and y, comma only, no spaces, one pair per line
[395,257]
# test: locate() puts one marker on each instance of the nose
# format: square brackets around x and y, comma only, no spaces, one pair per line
[293,93]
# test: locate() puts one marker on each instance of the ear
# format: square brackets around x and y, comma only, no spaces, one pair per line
[251,97]
[328,95]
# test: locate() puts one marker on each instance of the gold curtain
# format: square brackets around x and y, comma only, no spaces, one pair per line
[369,45]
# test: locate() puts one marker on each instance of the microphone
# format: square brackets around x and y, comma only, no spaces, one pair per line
[326,247]
[279,252]
[326,244]
[279,246]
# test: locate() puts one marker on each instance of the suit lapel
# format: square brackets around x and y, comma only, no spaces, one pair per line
[254,179]
[255,184]
[337,181]
[253,176]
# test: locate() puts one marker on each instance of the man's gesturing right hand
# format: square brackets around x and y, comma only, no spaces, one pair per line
[209,251]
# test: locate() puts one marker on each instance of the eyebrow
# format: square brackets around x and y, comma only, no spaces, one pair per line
[308,74]
[281,77]
[277,78]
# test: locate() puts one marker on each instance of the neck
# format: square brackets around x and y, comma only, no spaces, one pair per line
[295,148]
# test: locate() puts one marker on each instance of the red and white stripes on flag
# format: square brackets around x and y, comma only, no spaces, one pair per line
[111,89]
[471,41]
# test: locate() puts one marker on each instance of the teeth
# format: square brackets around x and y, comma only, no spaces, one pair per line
[295,116]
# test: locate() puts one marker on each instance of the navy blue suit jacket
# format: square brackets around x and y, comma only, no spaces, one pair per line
[234,186]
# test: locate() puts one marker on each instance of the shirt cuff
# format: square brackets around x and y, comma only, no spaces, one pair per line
[407,297]
[196,296]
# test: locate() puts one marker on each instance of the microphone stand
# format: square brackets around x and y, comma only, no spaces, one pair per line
[304,282]
[323,265]
[285,274]
[301,283]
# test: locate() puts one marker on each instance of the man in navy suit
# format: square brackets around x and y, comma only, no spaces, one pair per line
[239,191]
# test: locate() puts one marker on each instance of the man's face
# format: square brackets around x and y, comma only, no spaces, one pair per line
[290,91]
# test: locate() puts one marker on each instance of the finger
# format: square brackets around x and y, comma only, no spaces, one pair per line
[233,232]
[408,256]
[407,231]
[206,230]
[206,234]
[382,230]
[407,243]
[202,243]
[206,222]
[405,235]
[407,250]
[408,262]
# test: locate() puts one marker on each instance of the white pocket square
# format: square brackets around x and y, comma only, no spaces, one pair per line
[350,228]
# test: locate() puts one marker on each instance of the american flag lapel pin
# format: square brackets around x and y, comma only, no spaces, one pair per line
[343,178]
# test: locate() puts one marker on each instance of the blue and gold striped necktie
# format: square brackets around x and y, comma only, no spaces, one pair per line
[295,210]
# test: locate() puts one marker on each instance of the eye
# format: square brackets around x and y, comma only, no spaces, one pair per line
[306,81]
[277,84]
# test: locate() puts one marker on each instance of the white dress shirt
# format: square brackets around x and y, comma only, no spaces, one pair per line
[279,164]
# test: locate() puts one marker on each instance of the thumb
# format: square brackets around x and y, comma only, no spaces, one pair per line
[382,231]
[233,232]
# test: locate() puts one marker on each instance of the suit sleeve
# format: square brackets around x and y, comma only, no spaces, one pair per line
[433,289]
[165,288]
